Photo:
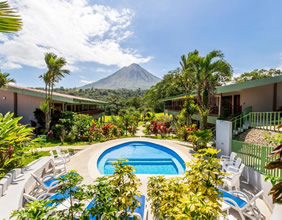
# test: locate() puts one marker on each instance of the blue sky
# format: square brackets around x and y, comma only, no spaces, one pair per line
[99,37]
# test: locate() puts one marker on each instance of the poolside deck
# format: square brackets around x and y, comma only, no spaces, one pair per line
[85,163]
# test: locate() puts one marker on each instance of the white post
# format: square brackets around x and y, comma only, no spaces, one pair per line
[224,137]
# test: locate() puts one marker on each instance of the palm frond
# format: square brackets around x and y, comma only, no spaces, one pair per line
[9,21]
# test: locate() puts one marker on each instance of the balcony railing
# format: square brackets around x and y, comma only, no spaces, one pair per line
[214,110]
[92,112]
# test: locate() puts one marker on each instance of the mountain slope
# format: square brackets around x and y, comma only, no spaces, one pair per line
[129,77]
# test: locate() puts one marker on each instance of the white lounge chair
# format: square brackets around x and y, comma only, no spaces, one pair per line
[240,202]
[64,155]
[228,159]
[30,198]
[57,160]
[233,179]
[235,166]
[64,204]
[47,183]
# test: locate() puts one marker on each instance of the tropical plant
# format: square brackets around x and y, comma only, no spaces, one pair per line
[200,138]
[125,185]
[4,77]
[154,128]
[164,119]
[44,107]
[54,74]
[166,197]
[9,21]
[35,210]
[208,71]
[200,197]
[103,204]
[13,137]
[71,184]
[276,190]
[194,196]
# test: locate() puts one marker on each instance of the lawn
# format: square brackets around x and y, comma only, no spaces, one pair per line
[53,143]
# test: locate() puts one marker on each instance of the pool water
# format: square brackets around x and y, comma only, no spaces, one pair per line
[147,158]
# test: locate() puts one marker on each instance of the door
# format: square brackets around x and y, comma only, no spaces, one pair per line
[237,106]
[227,105]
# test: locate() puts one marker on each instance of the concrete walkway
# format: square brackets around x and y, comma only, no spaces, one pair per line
[139,131]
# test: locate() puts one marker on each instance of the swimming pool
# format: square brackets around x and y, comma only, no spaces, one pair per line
[147,158]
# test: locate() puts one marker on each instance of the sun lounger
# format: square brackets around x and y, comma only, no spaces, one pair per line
[64,155]
[244,206]
[47,183]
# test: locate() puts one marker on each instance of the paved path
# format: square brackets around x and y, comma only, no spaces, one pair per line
[139,132]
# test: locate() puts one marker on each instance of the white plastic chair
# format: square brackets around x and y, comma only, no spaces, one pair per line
[57,160]
[47,183]
[233,180]
[30,198]
[63,155]
[240,202]
[235,166]
[228,159]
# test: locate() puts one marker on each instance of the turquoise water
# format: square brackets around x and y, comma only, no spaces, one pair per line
[147,158]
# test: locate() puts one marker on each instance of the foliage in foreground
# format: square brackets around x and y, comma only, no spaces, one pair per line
[9,21]
[112,196]
[13,139]
[276,190]
[195,196]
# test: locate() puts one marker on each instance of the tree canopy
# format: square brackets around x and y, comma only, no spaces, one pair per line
[257,74]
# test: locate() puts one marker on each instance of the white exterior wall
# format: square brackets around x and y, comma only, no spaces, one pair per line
[6,102]
[26,106]
[260,98]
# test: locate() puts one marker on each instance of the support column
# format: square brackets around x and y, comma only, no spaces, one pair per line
[274,103]
[15,104]
[233,105]
[219,104]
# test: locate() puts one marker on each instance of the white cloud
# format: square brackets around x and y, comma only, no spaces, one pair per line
[102,70]
[86,81]
[74,29]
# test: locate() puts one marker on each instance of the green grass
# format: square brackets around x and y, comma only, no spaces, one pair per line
[53,143]
[34,156]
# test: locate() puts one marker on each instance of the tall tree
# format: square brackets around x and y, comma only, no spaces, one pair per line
[55,73]
[189,85]
[258,74]
[210,71]
[9,21]
[4,79]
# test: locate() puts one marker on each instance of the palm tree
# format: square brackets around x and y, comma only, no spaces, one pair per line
[4,79]
[9,20]
[210,71]
[55,71]
[54,74]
